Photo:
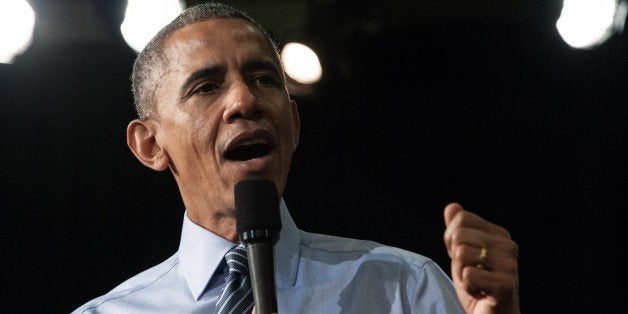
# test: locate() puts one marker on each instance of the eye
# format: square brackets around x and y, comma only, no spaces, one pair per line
[206,88]
[267,80]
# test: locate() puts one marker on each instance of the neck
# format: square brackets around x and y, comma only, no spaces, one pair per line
[219,223]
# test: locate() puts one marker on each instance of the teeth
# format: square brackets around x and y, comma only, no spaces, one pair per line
[251,142]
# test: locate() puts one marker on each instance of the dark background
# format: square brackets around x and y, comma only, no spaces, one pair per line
[422,103]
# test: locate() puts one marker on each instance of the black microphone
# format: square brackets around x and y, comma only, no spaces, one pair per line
[258,222]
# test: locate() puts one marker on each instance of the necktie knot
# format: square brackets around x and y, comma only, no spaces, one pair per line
[237,260]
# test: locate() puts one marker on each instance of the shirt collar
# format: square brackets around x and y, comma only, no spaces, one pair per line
[201,252]
[287,249]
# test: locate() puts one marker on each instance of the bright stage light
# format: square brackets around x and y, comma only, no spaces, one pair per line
[587,23]
[17,20]
[301,63]
[144,18]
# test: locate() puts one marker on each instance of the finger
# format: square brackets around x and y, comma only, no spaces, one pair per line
[490,259]
[495,252]
[479,282]
[472,256]
[471,220]
[477,238]
[450,211]
[463,236]
[456,235]
[468,236]
[463,256]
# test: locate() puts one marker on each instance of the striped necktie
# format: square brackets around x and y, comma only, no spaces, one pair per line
[237,297]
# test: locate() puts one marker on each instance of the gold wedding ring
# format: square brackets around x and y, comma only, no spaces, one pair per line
[483,254]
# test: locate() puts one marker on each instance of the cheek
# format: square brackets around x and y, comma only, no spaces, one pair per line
[197,130]
[189,139]
[202,126]
[289,128]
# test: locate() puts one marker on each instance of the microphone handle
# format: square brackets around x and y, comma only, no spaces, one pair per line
[261,257]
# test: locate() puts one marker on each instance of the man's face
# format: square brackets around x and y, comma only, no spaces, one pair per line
[224,113]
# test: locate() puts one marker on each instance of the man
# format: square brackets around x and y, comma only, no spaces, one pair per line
[214,109]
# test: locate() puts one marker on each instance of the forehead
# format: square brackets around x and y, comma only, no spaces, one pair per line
[216,38]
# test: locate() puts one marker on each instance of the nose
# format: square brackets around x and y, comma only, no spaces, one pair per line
[240,103]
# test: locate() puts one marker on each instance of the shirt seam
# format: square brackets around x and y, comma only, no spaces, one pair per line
[329,251]
[416,263]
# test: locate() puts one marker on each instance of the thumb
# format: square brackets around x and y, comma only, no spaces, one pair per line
[450,212]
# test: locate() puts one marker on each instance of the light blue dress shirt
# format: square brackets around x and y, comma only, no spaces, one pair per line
[314,274]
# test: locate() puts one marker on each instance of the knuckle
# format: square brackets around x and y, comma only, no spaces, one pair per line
[460,252]
[456,235]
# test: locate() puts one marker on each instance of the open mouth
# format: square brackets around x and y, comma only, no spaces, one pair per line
[248,151]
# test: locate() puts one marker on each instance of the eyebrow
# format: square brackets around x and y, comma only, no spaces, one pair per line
[205,72]
[263,65]
[213,70]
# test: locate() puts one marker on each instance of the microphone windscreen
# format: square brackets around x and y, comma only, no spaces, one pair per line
[256,205]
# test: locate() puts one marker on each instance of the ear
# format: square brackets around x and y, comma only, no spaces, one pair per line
[140,137]
[296,124]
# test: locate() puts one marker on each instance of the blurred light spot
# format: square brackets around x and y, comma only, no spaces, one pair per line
[587,23]
[620,16]
[144,18]
[301,63]
[17,20]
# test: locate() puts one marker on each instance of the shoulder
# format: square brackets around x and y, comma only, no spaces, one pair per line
[149,276]
[375,272]
[134,287]
[321,244]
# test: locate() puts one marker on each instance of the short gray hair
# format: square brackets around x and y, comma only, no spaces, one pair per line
[151,61]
